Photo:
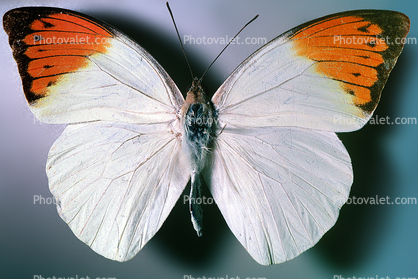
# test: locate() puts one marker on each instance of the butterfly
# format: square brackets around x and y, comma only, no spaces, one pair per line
[265,144]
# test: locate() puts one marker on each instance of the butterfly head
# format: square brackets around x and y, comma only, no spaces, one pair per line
[196,93]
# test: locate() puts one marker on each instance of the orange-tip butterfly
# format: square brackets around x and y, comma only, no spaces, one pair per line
[265,144]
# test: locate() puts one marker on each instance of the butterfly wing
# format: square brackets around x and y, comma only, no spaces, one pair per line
[66,60]
[115,184]
[326,74]
[279,174]
[279,189]
[117,170]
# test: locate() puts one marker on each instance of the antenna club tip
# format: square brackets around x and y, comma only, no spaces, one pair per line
[254,18]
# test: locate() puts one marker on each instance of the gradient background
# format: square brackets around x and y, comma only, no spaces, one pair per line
[367,241]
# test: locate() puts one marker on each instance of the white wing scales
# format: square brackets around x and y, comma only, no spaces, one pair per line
[126,94]
[279,174]
[271,187]
[118,168]
[277,87]
[116,183]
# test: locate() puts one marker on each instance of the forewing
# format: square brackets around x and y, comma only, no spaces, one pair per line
[77,69]
[115,184]
[327,74]
[279,189]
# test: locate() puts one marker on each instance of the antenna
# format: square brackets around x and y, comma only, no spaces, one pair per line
[181,43]
[230,41]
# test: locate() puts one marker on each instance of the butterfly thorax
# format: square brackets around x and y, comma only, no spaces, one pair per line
[198,122]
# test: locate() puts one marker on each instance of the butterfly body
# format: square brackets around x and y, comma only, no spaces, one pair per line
[198,122]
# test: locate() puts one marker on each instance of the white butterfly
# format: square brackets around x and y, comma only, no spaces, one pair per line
[265,144]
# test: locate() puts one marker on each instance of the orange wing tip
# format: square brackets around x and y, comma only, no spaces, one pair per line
[357,48]
[50,42]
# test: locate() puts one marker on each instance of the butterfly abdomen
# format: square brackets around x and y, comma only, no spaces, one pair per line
[198,122]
